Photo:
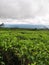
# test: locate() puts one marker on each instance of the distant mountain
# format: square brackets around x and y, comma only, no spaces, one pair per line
[2,24]
[30,26]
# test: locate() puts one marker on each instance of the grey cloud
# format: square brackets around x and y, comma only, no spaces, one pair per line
[23,8]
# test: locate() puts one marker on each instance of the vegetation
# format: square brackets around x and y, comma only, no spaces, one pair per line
[24,47]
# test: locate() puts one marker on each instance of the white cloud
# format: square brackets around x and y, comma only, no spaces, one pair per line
[34,21]
[24,12]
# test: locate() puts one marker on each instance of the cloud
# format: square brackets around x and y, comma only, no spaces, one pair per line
[28,11]
[34,21]
[23,8]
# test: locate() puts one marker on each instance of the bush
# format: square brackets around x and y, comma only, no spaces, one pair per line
[30,48]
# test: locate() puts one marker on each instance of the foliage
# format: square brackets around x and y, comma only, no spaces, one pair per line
[24,47]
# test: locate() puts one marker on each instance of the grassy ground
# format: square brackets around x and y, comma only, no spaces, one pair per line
[24,47]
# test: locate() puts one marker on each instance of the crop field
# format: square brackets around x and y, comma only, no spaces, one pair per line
[24,47]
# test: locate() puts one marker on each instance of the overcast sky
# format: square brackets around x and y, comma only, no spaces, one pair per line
[24,11]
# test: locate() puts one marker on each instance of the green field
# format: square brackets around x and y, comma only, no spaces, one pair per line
[24,47]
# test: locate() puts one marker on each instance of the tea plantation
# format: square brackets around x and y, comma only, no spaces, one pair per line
[24,47]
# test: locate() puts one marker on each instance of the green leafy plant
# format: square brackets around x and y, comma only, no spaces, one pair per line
[24,47]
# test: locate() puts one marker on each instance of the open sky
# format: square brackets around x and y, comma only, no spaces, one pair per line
[24,12]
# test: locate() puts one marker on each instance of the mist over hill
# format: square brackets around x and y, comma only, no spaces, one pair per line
[29,26]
